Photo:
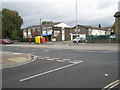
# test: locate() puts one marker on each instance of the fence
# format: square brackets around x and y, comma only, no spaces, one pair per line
[96,37]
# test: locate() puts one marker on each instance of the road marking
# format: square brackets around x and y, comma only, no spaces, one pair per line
[50,59]
[46,57]
[66,59]
[17,53]
[28,78]
[41,58]
[111,85]
[56,58]
[60,60]
[76,60]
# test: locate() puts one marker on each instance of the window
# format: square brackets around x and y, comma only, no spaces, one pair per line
[33,30]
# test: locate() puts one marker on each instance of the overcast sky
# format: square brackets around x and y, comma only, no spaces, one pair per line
[89,12]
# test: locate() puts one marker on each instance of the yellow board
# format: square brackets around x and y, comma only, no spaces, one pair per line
[37,39]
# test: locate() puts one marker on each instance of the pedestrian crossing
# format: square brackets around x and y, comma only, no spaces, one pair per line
[59,59]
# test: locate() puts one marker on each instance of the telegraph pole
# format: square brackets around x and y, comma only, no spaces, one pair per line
[40,26]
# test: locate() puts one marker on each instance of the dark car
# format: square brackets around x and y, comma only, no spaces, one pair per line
[6,41]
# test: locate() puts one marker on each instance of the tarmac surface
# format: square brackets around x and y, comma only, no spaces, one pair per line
[56,66]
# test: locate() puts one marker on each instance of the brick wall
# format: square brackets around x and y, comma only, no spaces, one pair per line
[117,25]
[83,30]
[57,33]
[67,34]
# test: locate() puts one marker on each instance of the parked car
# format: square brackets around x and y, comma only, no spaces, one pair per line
[113,36]
[6,41]
[79,39]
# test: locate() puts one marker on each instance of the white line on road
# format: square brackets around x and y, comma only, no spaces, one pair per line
[111,84]
[66,59]
[56,58]
[60,60]
[41,58]
[28,78]
[50,59]
[46,57]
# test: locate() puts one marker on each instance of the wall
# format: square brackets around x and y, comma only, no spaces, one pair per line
[97,32]
[67,34]
[117,25]
[57,33]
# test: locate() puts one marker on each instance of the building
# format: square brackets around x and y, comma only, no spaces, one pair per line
[117,23]
[52,31]
[83,31]
[60,31]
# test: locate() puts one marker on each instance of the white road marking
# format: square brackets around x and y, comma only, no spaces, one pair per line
[111,84]
[17,53]
[73,62]
[46,57]
[50,59]
[76,60]
[28,78]
[60,60]
[66,59]
[56,58]
[41,58]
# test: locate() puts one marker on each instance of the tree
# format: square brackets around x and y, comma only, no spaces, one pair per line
[11,23]
[113,27]
[99,26]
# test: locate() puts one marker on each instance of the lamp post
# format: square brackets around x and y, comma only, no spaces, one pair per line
[76,23]
[109,35]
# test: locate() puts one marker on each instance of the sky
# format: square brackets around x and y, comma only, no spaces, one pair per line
[89,12]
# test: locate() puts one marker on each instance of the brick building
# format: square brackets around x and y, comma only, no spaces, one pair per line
[117,25]
[62,32]
[49,31]
[83,31]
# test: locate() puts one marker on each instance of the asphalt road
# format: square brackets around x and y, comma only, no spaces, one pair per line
[62,68]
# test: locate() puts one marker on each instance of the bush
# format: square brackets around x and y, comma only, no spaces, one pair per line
[26,39]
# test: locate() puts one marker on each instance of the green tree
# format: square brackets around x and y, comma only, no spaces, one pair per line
[11,23]
[113,27]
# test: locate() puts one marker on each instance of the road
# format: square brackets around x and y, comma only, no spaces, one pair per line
[62,68]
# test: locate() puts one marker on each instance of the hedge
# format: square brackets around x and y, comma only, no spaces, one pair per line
[26,39]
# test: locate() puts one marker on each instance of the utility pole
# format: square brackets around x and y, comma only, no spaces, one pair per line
[76,24]
[40,26]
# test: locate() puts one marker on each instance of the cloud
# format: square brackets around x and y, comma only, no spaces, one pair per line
[89,12]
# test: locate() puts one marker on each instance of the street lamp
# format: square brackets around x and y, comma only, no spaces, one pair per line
[76,23]
[109,34]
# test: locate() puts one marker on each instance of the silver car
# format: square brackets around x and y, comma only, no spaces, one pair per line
[79,40]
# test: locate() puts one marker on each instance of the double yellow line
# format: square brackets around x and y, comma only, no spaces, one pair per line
[111,85]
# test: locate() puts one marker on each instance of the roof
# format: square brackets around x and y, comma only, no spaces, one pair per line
[50,25]
[91,27]
[117,14]
[43,25]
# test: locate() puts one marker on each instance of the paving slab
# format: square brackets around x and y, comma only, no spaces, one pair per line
[11,59]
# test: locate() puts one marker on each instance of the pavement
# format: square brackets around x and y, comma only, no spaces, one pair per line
[70,45]
[12,59]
